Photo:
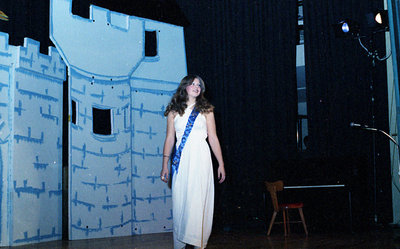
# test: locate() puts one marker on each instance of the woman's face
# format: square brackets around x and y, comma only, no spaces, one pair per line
[194,89]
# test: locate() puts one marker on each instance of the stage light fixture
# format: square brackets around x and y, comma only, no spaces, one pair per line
[374,23]
[378,20]
[346,28]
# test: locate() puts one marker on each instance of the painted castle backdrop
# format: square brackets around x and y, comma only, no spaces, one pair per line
[121,71]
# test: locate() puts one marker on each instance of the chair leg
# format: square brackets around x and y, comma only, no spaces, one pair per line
[303,220]
[284,221]
[287,221]
[271,223]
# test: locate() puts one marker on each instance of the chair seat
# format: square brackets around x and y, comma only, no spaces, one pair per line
[291,205]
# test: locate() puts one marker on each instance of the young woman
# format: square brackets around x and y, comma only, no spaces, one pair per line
[192,178]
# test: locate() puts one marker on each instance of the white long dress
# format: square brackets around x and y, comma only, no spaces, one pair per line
[193,185]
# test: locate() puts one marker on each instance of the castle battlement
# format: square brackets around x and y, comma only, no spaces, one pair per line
[3,42]
[7,52]
[31,59]
[85,49]
[103,16]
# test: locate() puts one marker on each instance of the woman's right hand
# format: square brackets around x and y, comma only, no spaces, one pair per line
[164,175]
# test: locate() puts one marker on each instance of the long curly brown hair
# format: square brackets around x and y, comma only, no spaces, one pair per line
[178,100]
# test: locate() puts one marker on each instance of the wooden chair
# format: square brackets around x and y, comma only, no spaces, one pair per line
[273,188]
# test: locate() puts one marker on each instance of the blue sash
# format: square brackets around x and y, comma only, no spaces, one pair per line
[188,129]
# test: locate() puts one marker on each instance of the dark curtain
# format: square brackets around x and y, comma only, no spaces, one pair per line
[344,86]
[246,53]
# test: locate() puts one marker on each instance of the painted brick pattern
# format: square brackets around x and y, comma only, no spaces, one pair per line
[32,166]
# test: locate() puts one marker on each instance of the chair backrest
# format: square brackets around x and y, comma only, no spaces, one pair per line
[272,188]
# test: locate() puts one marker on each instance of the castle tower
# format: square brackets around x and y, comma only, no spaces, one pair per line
[122,70]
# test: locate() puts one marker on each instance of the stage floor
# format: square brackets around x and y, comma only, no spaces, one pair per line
[382,238]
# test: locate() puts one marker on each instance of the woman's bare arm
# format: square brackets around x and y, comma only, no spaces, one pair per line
[215,145]
[168,145]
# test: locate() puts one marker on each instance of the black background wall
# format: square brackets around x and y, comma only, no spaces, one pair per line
[246,53]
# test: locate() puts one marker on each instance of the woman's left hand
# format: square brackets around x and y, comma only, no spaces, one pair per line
[221,174]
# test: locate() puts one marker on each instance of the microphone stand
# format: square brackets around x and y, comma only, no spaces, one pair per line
[384,133]
[374,58]
[375,130]
[372,76]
